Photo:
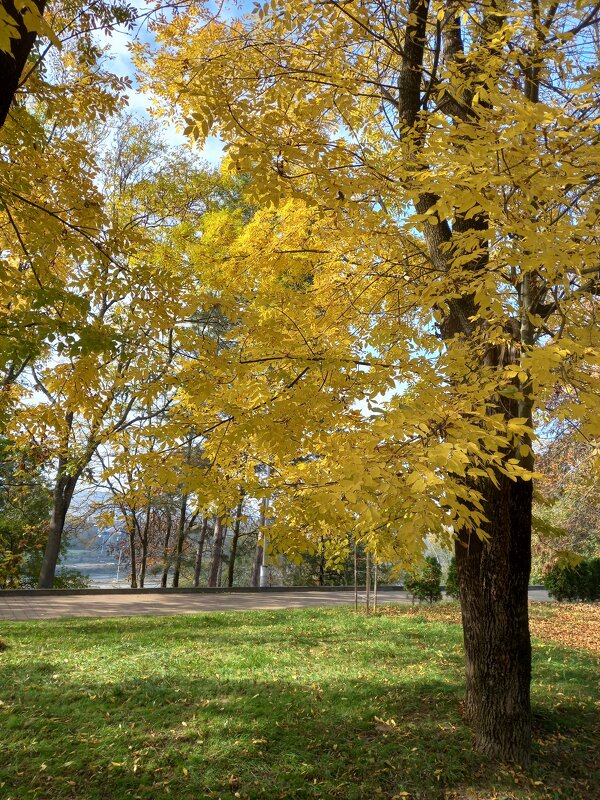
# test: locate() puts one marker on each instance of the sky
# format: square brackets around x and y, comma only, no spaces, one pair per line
[140,102]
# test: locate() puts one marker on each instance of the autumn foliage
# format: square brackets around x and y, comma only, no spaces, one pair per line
[363,321]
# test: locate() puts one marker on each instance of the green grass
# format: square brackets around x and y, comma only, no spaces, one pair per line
[286,704]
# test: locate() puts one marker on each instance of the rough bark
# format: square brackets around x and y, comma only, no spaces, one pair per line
[493,579]
[219,539]
[181,528]
[321,576]
[143,563]
[409,78]
[66,480]
[234,541]
[13,63]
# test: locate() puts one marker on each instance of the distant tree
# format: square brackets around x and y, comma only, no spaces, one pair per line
[452,585]
[566,501]
[25,501]
[575,581]
[424,581]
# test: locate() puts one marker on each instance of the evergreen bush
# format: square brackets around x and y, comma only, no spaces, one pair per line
[452,589]
[574,582]
[424,583]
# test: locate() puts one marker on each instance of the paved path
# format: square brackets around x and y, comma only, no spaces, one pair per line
[21,607]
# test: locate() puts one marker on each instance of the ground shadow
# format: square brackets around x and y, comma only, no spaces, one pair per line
[223,711]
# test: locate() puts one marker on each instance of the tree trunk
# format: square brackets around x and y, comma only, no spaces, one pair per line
[258,557]
[321,578]
[234,541]
[180,539]
[375,583]
[144,540]
[493,579]
[132,558]
[368,581]
[143,562]
[200,552]
[355,577]
[63,494]
[13,63]
[64,487]
[219,538]
[165,572]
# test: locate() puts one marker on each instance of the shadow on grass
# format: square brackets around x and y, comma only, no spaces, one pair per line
[246,710]
[205,737]
[210,738]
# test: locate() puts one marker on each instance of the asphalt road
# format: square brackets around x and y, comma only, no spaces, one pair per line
[32,606]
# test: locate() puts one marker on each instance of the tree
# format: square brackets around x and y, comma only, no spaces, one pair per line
[20,30]
[424,582]
[217,551]
[51,212]
[24,505]
[566,502]
[117,369]
[452,589]
[200,552]
[453,148]
[22,52]
[237,523]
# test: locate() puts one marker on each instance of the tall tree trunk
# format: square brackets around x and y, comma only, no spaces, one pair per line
[144,541]
[493,579]
[165,572]
[355,577]
[63,494]
[181,532]
[13,63]
[234,541]
[258,555]
[143,562]
[132,554]
[200,552]
[321,578]
[368,582]
[219,538]
[375,583]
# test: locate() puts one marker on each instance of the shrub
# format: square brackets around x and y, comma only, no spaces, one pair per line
[452,589]
[424,582]
[65,578]
[574,582]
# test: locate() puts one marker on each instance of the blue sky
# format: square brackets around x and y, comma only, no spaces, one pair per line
[140,102]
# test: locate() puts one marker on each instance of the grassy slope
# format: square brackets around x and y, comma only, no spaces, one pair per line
[305,704]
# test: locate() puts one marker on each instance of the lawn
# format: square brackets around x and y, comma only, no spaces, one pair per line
[318,703]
